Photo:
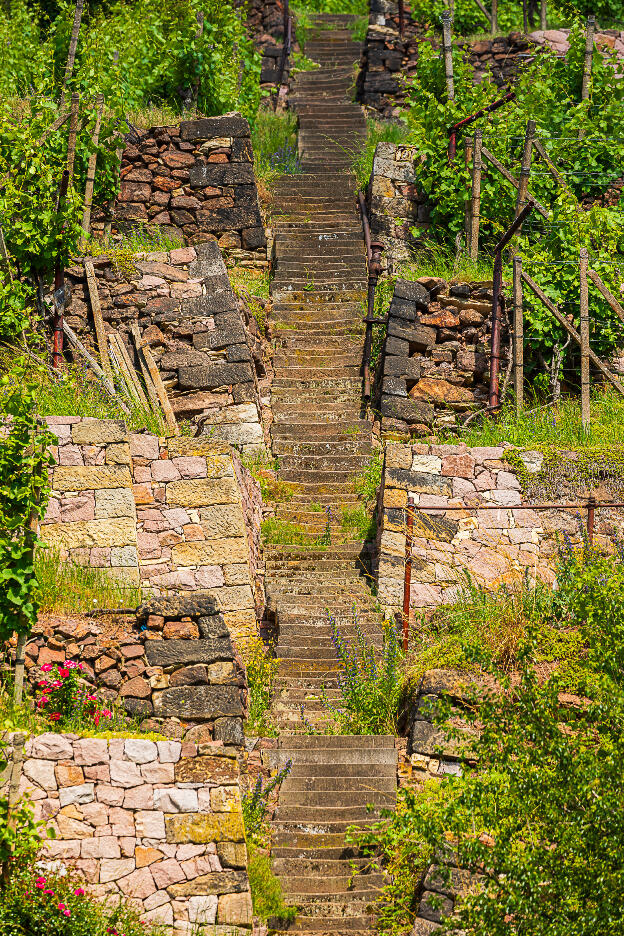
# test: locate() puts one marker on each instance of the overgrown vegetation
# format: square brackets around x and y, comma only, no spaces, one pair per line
[65,586]
[395,131]
[369,679]
[261,669]
[545,763]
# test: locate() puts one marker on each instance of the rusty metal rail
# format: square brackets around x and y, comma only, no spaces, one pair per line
[452,144]
[373,260]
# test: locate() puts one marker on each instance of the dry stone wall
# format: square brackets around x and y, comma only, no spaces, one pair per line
[168,514]
[399,211]
[195,181]
[156,824]
[205,341]
[493,545]
[434,367]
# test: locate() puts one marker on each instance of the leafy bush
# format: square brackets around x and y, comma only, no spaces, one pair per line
[54,905]
[539,816]
[261,671]
[369,681]
[65,697]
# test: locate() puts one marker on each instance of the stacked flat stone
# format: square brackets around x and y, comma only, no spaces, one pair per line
[399,212]
[168,514]
[434,365]
[156,823]
[204,341]
[197,182]
[493,546]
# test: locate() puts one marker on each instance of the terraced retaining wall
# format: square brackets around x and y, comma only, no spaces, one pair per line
[157,824]
[494,545]
[196,181]
[205,341]
[399,213]
[434,366]
[168,514]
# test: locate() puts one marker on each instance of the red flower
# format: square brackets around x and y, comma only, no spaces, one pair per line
[47,668]
[63,673]
[55,716]
[79,892]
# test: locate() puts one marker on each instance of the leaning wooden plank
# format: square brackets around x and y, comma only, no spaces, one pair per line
[147,377]
[98,321]
[136,383]
[606,373]
[161,391]
[615,305]
[93,364]
[507,175]
[549,164]
[122,370]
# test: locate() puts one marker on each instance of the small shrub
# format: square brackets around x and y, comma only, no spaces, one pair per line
[261,671]
[65,698]
[274,141]
[66,586]
[369,681]
[266,890]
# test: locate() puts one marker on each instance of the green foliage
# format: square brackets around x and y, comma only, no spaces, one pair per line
[261,671]
[15,297]
[266,890]
[24,489]
[369,681]
[437,260]
[57,905]
[558,425]
[283,532]
[548,91]
[540,811]
[351,7]
[66,587]
[20,835]
[274,141]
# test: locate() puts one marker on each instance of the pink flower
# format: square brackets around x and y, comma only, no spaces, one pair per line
[79,892]
[43,683]
[47,668]
[66,912]
[105,713]
[42,701]
[40,883]
[91,698]
[80,666]
[55,716]
[63,673]
[51,892]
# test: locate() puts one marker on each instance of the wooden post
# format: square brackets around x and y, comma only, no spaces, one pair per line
[475,196]
[584,333]
[604,292]
[589,55]
[494,17]
[407,579]
[525,17]
[525,171]
[98,321]
[518,332]
[468,152]
[448,54]
[20,651]
[88,196]
[543,14]
[73,132]
[73,44]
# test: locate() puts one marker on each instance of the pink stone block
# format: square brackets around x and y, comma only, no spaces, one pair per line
[144,445]
[165,470]
[166,873]
[79,507]
[104,846]
[150,824]
[53,513]
[183,578]
[112,796]
[128,844]
[89,751]
[458,466]
[209,577]
[63,850]
[139,884]
[183,255]
[142,475]
[158,773]
[141,797]
[111,869]
[148,545]
[88,868]
[95,813]
[169,752]
[125,773]
[176,517]
[190,466]
[100,556]
[70,455]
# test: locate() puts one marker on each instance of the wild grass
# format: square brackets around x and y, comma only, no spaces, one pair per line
[261,671]
[274,141]
[142,238]
[436,260]
[263,468]
[378,132]
[557,425]
[64,586]
[278,532]
[252,286]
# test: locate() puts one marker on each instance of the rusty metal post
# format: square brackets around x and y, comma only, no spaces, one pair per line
[591,517]
[407,581]
[59,286]
[374,271]
[448,54]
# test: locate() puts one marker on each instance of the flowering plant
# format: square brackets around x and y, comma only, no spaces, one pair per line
[65,697]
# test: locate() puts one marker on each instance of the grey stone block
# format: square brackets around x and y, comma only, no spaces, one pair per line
[407,368]
[184,651]
[415,292]
[214,375]
[219,338]
[229,730]
[410,411]
[207,128]
[420,481]
[199,702]
[221,174]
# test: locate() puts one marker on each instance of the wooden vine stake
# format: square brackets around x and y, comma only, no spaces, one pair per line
[468,155]
[475,196]
[494,24]
[543,14]
[525,17]
[525,171]
[73,133]
[73,43]
[13,797]
[584,333]
[448,54]
[518,332]
[88,196]
[589,55]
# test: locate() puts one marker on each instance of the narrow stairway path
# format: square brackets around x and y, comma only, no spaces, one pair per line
[323,442]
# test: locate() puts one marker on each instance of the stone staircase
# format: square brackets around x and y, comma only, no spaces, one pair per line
[323,440]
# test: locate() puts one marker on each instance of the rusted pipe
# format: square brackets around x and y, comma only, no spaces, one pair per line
[365,224]
[407,581]
[374,271]
[452,144]
[401,17]
[591,516]
[497,284]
